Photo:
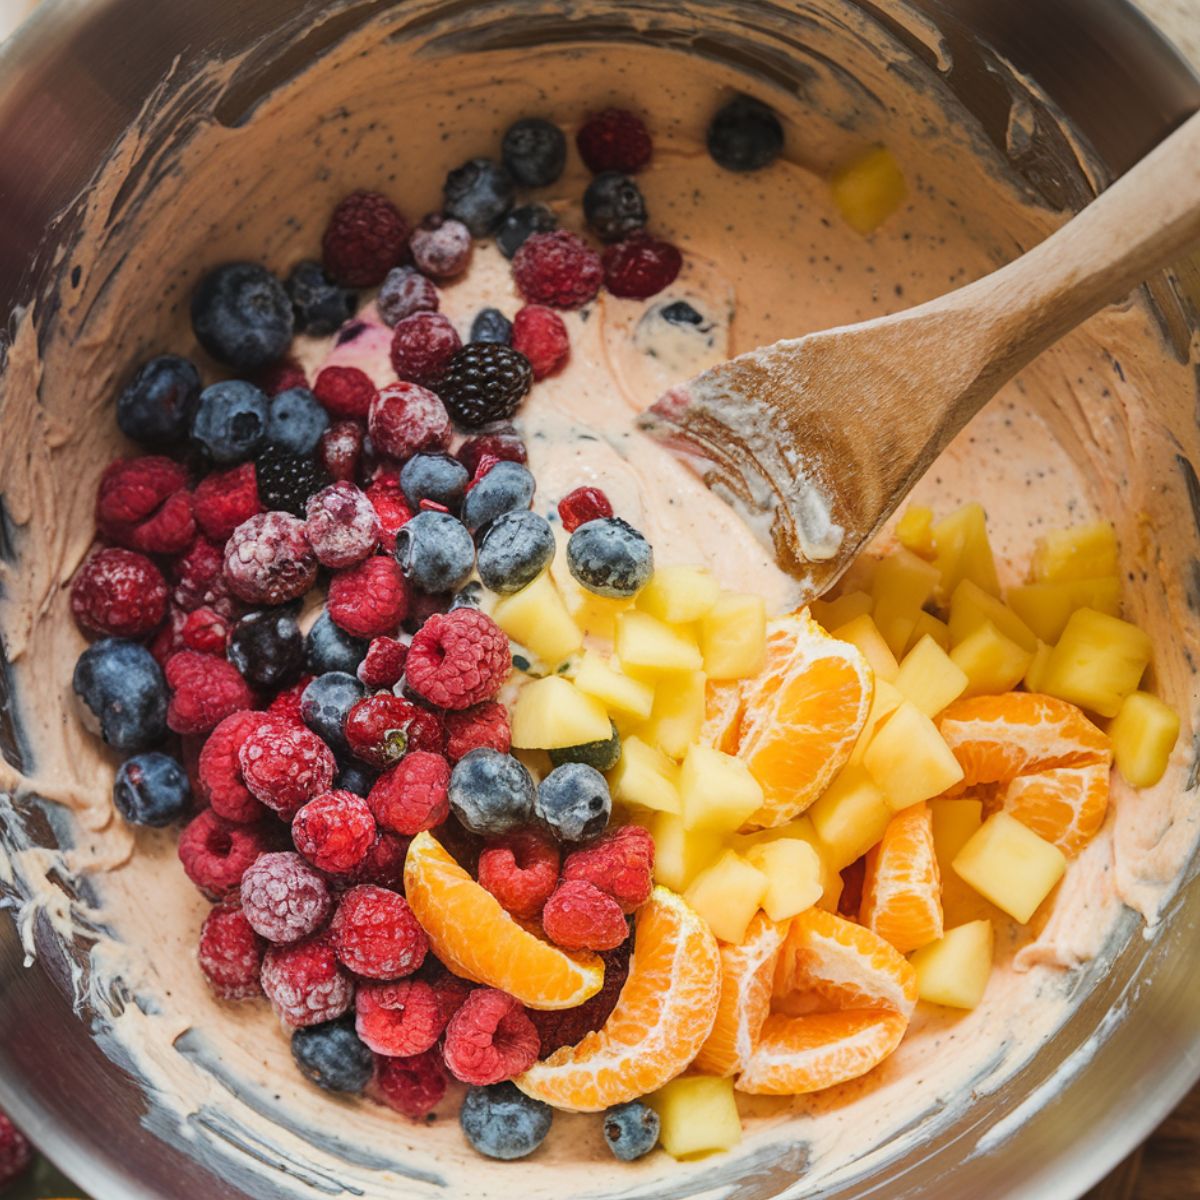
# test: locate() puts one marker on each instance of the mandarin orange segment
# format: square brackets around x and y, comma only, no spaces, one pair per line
[1065,805]
[477,939]
[902,888]
[724,707]
[663,1016]
[747,973]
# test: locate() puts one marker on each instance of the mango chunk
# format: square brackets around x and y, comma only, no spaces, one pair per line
[971,607]
[698,1115]
[1047,607]
[727,895]
[903,583]
[830,614]
[552,712]
[863,633]
[733,636]
[927,625]
[930,678]
[537,618]
[647,646]
[1143,733]
[1081,552]
[1035,673]
[794,876]
[802,830]
[909,760]
[619,693]
[717,790]
[868,189]
[1099,660]
[1011,866]
[991,662]
[884,702]
[955,822]
[850,817]
[962,551]
[914,530]
[680,854]
[954,970]
[645,778]
[677,712]
[678,594]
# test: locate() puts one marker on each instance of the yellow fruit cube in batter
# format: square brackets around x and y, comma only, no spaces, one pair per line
[537,618]
[992,662]
[727,895]
[645,778]
[962,551]
[1082,552]
[1011,866]
[954,970]
[551,713]
[930,678]
[678,594]
[1099,660]
[868,189]
[698,1115]
[733,636]
[1143,734]
[909,760]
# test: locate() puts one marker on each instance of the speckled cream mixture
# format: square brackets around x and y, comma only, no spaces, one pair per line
[765,256]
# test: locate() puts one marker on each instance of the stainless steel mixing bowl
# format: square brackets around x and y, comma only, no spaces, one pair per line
[76,77]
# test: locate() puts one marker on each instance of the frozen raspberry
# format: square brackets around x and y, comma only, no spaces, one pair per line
[485,464]
[381,729]
[376,935]
[621,863]
[118,593]
[305,983]
[640,266]
[391,509]
[16,1153]
[383,666]
[205,690]
[557,268]
[365,238]
[286,765]
[413,795]
[582,505]
[200,579]
[540,335]
[190,747]
[342,527]
[334,832]
[220,772]
[216,853]
[168,640]
[482,725]
[284,898]
[224,499]
[405,292]
[205,630]
[340,449]
[422,345]
[286,704]
[441,246]
[399,1019]
[231,953]
[384,862]
[369,599]
[346,392]
[407,419]
[412,1086]
[143,504]
[614,140]
[579,916]
[490,1038]
[282,376]
[451,990]
[521,871]
[569,1026]
[268,559]
[504,444]
[458,659]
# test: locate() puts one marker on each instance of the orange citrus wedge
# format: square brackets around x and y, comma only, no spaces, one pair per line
[1065,805]
[477,939]
[662,1018]
[902,888]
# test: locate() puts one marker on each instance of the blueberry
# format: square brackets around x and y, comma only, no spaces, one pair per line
[230,421]
[520,224]
[491,793]
[514,550]
[435,552]
[534,151]
[325,703]
[502,1122]
[321,306]
[478,194]
[470,596]
[152,789]
[123,689]
[267,648]
[610,558]
[680,312]
[602,755]
[613,206]
[333,1057]
[437,477]
[491,325]
[631,1130]
[296,420]
[507,487]
[328,647]
[242,316]
[573,802]
[356,778]
[157,405]
[745,135]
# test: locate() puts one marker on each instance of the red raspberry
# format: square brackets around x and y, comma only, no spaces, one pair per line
[205,691]
[340,450]
[286,765]
[200,579]
[392,511]
[384,863]
[286,704]
[144,504]
[216,853]
[231,953]
[458,659]
[224,499]
[376,935]
[280,377]
[557,268]
[614,140]
[413,795]
[305,983]
[220,772]
[335,832]
[381,729]
[490,1038]
[346,392]
[569,1026]
[540,335]
[483,725]
[579,916]
[364,240]
[284,898]
[169,638]
[205,630]
[486,463]
[451,990]
[118,593]
[398,1019]
[405,292]
[412,1086]
[369,599]
[582,505]
[268,559]
[422,345]
[640,266]
[383,666]
[15,1152]
[621,863]
[521,871]
[505,444]
[441,247]
[406,419]
[342,527]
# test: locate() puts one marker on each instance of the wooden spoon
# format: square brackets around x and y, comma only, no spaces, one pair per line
[816,440]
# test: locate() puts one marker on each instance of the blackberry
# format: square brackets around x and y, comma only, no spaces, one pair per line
[601,755]
[267,648]
[321,305]
[286,480]
[613,206]
[745,135]
[521,224]
[491,325]
[484,382]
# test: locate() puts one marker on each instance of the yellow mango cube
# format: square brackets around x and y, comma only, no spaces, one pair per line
[794,872]
[698,1115]
[1099,660]
[1035,673]
[962,551]
[930,678]
[677,712]
[621,694]
[991,662]
[800,829]
[971,607]
[727,895]
[903,583]
[551,713]
[537,618]
[850,817]
[885,700]
[955,822]
[830,614]
[914,530]
[1081,552]
[1047,607]
[863,633]
[680,854]
[954,970]
[1008,864]
[1143,733]
[927,625]
[868,189]
[647,646]
[717,790]
[733,636]
[595,615]
[645,777]
[679,594]
[908,759]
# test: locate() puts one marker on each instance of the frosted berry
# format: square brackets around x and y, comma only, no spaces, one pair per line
[381,729]
[539,334]
[609,557]
[490,1039]
[621,863]
[400,1018]
[579,916]
[505,487]
[437,477]
[330,648]
[383,666]
[342,526]
[224,499]
[614,140]
[284,898]
[482,725]
[376,935]
[573,802]
[286,703]
[640,266]
[143,504]
[268,560]
[205,630]
[118,593]
[384,862]
[16,1154]
[366,237]
[413,795]
[334,832]
[491,793]
[156,406]
[534,151]
[631,1130]
[521,871]
[199,578]
[458,659]
[321,305]
[340,450]
[491,325]
[220,772]
[502,1122]
[204,691]
[267,648]
[305,983]
[412,1086]
[613,206]
[242,315]
[478,194]
[441,247]
[500,441]
[369,599]
[514,550]
[327,701]
[582,505]
[333,1057]
[285,765]
[392,511]
[518,226]
[216,853]
[405,292]
[435,552]
[122,692]
[152,789]
[230,953]
[346,392]
[422,345]
[557,268]
[406,418]
[745,135]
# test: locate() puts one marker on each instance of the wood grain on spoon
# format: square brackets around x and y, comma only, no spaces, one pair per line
[816,440]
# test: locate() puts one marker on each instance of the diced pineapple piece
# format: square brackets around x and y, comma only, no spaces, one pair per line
[677,713]
[1010,865]
[859,575]
[963,550]
[680,854]
[914,530]
[1046,607]
[727,895]
[593,614]
[794,872]
[954,970]
[850,817]
[930,678]
[829,614]
[909,760]
[647,646]
[551,713]
[862,632]
[868,189]
[717,790]
[645,777]
[679,594]
[618,692]
[1082,552]
[955,822]
[929,626]
[1143,734]
[733,636]
[1099,660]
[886,699]
[903,584]
[698,1115]
[971,606]
[1035,673]
[802,830]
[991,662]
[537,618]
